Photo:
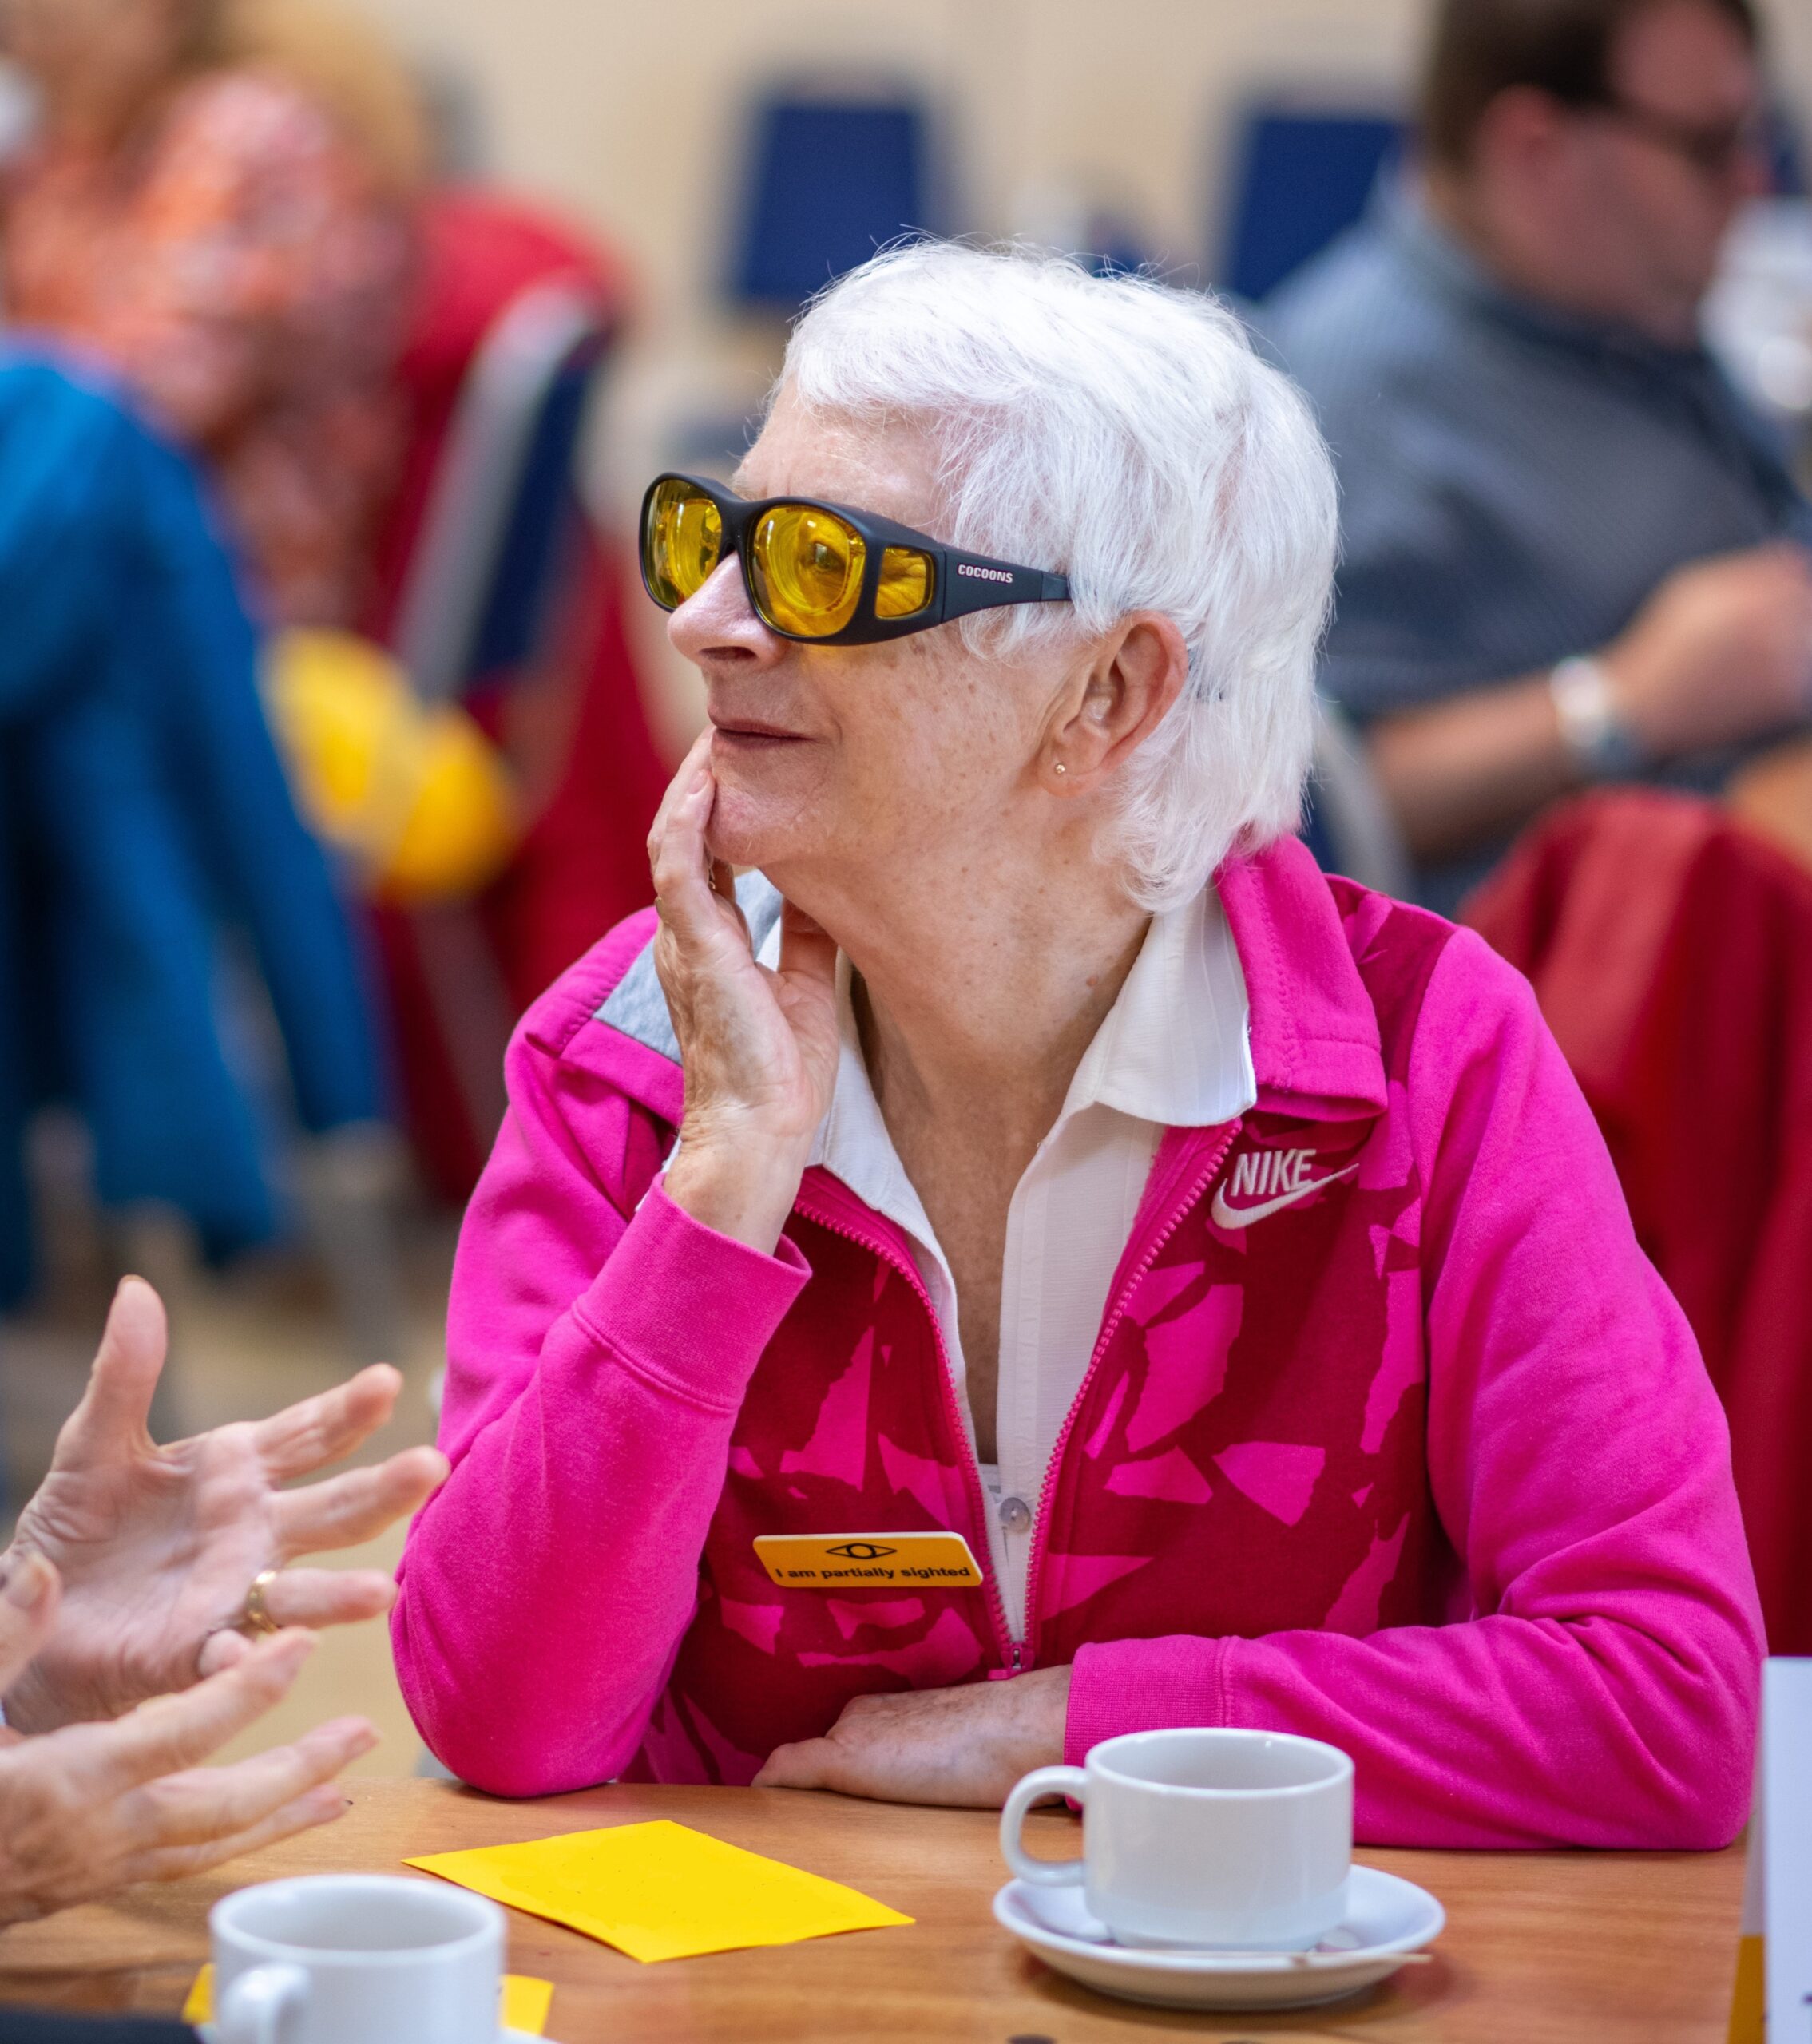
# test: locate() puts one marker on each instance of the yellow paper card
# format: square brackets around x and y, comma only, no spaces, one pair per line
[866,1561]
[662,1890]
[524,2002]
[200,2006]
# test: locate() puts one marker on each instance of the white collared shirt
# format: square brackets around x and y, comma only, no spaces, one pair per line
[1173,1051]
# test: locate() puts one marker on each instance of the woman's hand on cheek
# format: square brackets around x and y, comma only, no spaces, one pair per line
[962,1748]
[758,1046]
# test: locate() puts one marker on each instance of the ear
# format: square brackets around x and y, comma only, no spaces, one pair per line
[1518,133]
[1116,699]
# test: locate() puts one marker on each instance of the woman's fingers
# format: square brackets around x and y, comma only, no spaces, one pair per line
[30,1591]
[111,1421]
[307,1436]
[87,1809]
[682,890]
[345,1510]
[318,1597]
[811,1764]
[172,1732]
[806,952]
[315,1598]
[175,1863]
[220,1650]
[679,790]
[698,754]
[723,886]
[204,1804]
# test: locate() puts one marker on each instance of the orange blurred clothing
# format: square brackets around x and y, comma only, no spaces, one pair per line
[239,264]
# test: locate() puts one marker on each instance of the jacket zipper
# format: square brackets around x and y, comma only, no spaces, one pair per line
[1011,1651]
[1109,1328]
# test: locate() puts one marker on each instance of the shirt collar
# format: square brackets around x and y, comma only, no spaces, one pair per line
[1173,1049]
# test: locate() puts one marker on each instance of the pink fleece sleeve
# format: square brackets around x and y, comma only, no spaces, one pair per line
[1602,1690]
[596,1362]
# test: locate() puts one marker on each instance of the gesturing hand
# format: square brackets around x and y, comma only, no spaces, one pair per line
[94,1808]
[157,1547]
[758,1046]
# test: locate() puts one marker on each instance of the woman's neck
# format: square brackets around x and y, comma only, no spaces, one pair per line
[976,1007]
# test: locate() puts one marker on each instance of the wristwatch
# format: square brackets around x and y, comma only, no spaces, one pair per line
[1600,743]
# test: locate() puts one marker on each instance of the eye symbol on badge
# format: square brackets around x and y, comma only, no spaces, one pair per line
[861,1550]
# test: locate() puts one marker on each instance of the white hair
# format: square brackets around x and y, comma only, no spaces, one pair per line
[1123,433]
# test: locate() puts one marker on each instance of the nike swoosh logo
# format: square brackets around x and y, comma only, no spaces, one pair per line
[1223,1216]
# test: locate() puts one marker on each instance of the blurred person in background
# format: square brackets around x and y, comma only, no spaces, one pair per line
[1570,553]
[216,204]
[146,1616]
[144,816]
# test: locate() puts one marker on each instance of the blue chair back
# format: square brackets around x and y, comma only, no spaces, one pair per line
[504,502]
[1787,151]
[829,180]
[1300,176]
[542,521]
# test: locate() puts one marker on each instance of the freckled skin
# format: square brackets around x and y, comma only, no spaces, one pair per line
[910,748]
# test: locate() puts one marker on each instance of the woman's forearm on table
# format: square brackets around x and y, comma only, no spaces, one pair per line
[1501,1731]
[545,1590]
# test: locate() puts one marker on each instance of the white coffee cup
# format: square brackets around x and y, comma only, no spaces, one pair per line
[1223,1839]
[356,1959]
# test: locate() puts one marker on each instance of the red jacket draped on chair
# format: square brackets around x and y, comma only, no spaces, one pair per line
[1670,950]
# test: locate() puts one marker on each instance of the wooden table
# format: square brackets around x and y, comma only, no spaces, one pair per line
[1540,1947]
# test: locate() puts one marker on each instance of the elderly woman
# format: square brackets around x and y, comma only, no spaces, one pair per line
[1071,1178]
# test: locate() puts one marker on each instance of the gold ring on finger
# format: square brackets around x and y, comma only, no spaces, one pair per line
[255,1618]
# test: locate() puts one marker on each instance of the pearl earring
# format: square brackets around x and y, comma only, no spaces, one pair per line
[1061,768]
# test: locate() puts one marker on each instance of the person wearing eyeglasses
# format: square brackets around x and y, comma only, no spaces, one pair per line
[1570,552]
[1033,1258]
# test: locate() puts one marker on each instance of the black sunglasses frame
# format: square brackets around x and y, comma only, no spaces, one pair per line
[961,583]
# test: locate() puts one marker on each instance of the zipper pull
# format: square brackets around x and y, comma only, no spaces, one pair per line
[1006,1674]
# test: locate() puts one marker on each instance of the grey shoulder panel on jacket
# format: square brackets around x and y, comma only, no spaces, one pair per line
[635,1006]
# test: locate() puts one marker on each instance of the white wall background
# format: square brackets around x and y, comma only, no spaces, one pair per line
[629,114]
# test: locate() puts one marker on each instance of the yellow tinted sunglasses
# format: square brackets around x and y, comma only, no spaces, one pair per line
[822,572]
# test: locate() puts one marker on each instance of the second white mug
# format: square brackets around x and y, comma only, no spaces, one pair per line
[1220,1838]
[356,1959]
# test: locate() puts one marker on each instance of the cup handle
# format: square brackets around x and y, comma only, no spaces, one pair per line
[1069,1781]
[252,2009]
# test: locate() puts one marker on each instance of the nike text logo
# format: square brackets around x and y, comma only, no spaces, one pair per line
[1281,1172]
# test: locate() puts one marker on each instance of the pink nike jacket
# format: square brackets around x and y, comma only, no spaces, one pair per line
[1420,1459]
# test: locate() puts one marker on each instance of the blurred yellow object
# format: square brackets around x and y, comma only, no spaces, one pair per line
[414,793]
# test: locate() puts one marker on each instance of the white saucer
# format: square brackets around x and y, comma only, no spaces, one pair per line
[1385,1918]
